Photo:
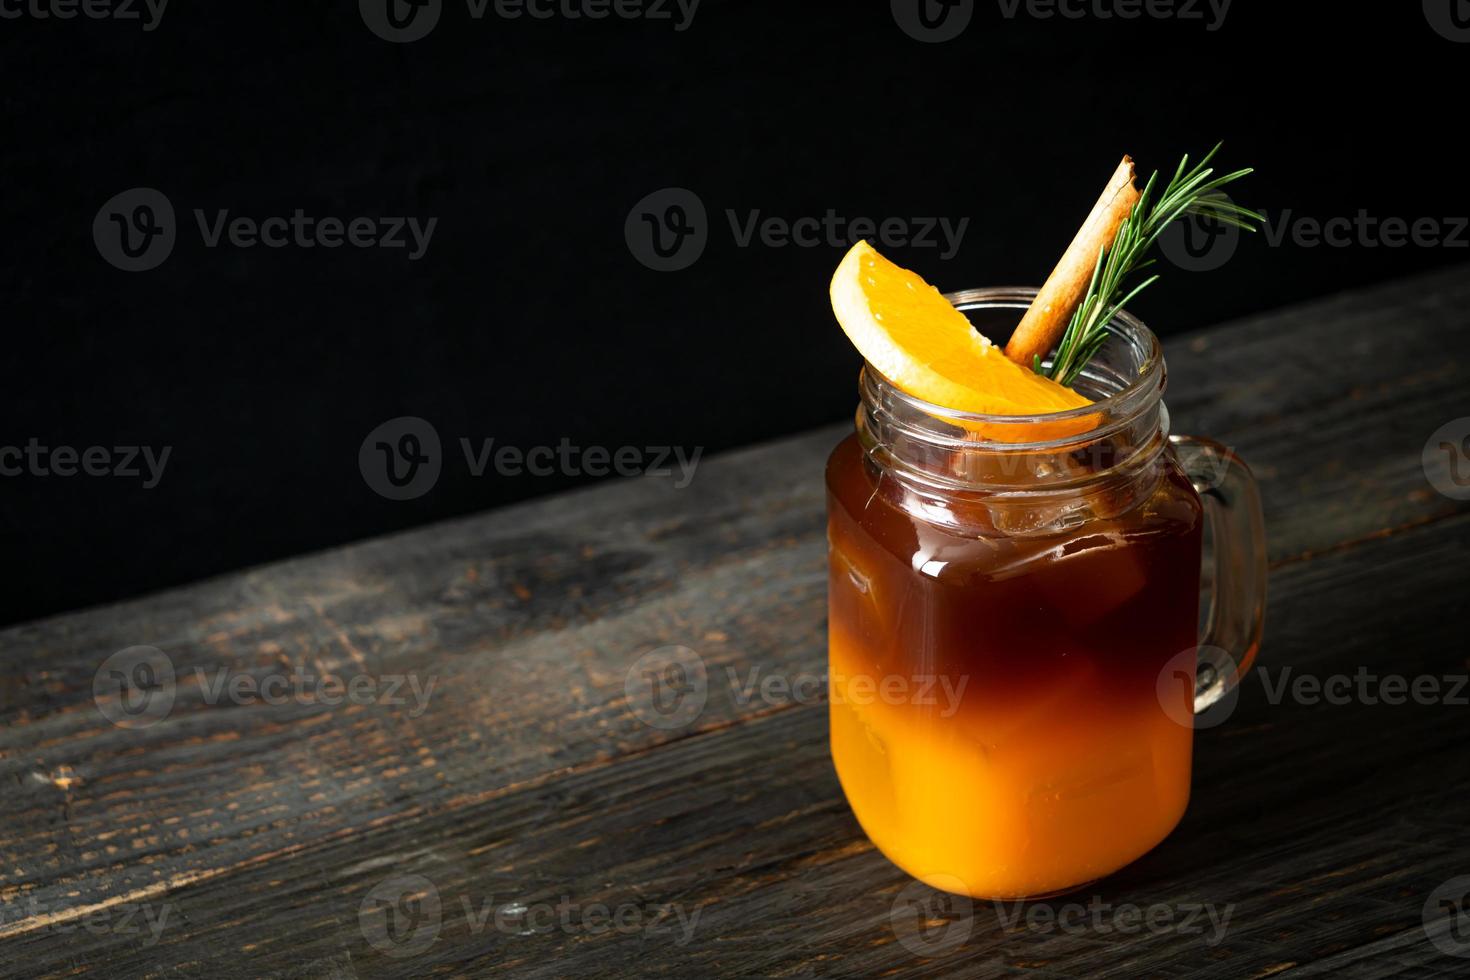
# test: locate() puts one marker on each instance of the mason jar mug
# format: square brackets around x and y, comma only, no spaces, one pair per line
[1015,640]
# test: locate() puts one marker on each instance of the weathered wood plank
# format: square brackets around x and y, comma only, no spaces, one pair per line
[1307,821]
[1332,402]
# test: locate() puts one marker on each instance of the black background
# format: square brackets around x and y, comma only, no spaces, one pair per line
[529,320]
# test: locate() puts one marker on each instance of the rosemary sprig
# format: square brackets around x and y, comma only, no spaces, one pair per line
[1191,191]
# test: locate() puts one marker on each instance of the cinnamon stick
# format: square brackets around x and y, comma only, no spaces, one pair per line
[1047,317]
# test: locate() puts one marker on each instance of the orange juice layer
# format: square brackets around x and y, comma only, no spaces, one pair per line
[1020,746]
[1007,799]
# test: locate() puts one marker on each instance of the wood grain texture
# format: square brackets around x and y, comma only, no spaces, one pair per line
[528,786]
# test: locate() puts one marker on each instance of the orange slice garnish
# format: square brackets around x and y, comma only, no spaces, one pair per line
[916,339]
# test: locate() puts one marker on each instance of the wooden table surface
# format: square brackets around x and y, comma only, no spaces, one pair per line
[525,816]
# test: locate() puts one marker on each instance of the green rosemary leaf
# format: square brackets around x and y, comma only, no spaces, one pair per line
[1192,190]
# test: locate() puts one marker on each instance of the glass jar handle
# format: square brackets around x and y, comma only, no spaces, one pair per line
[1232,633]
